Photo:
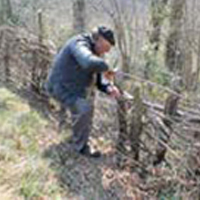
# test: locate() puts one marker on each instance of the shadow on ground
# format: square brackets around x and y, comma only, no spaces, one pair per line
[84,178]
[80,178]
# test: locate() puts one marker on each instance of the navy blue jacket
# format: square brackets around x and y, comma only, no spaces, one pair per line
[75,69]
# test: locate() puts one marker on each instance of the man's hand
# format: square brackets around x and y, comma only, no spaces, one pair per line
[109,75]
[113,91]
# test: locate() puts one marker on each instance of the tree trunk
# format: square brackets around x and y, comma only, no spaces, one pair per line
[5,11]
[174,52]
[136,125]
[196,75]
[40,27]
[191,67]
[158,9]
[79,13]
[123,134]
[122,42]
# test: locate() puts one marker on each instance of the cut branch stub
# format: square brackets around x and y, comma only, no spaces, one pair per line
[130,127]
[136,123]
[123,132]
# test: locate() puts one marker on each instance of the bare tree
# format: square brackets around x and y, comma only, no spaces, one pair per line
[191,43]
[40,27]
[122,16]
[5,11]
[79,14]
[122,21]
[174,51]
[158,14]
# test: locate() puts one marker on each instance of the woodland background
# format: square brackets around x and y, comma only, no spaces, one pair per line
[151,151]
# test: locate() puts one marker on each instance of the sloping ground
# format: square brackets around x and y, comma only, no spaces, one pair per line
[37,164]
[23,133]
[34,164]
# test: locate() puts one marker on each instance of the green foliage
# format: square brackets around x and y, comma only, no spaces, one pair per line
[30,186]
[162,76]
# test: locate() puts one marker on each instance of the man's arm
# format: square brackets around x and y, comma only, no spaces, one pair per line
[107,87]
[102,85]
[86,59]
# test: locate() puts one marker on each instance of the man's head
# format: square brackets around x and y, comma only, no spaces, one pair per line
[104,39]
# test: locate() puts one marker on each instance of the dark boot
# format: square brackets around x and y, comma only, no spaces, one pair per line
[86,151]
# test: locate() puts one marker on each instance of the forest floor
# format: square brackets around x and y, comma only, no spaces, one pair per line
[36,163]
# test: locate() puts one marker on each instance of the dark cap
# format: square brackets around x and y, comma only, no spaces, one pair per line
[107,34]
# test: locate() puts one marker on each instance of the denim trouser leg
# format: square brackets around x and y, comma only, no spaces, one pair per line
[62,120]
[82,114]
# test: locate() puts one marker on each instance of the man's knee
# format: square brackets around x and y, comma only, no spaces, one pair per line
[83,107]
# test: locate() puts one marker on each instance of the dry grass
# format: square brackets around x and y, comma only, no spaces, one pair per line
[36,164]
